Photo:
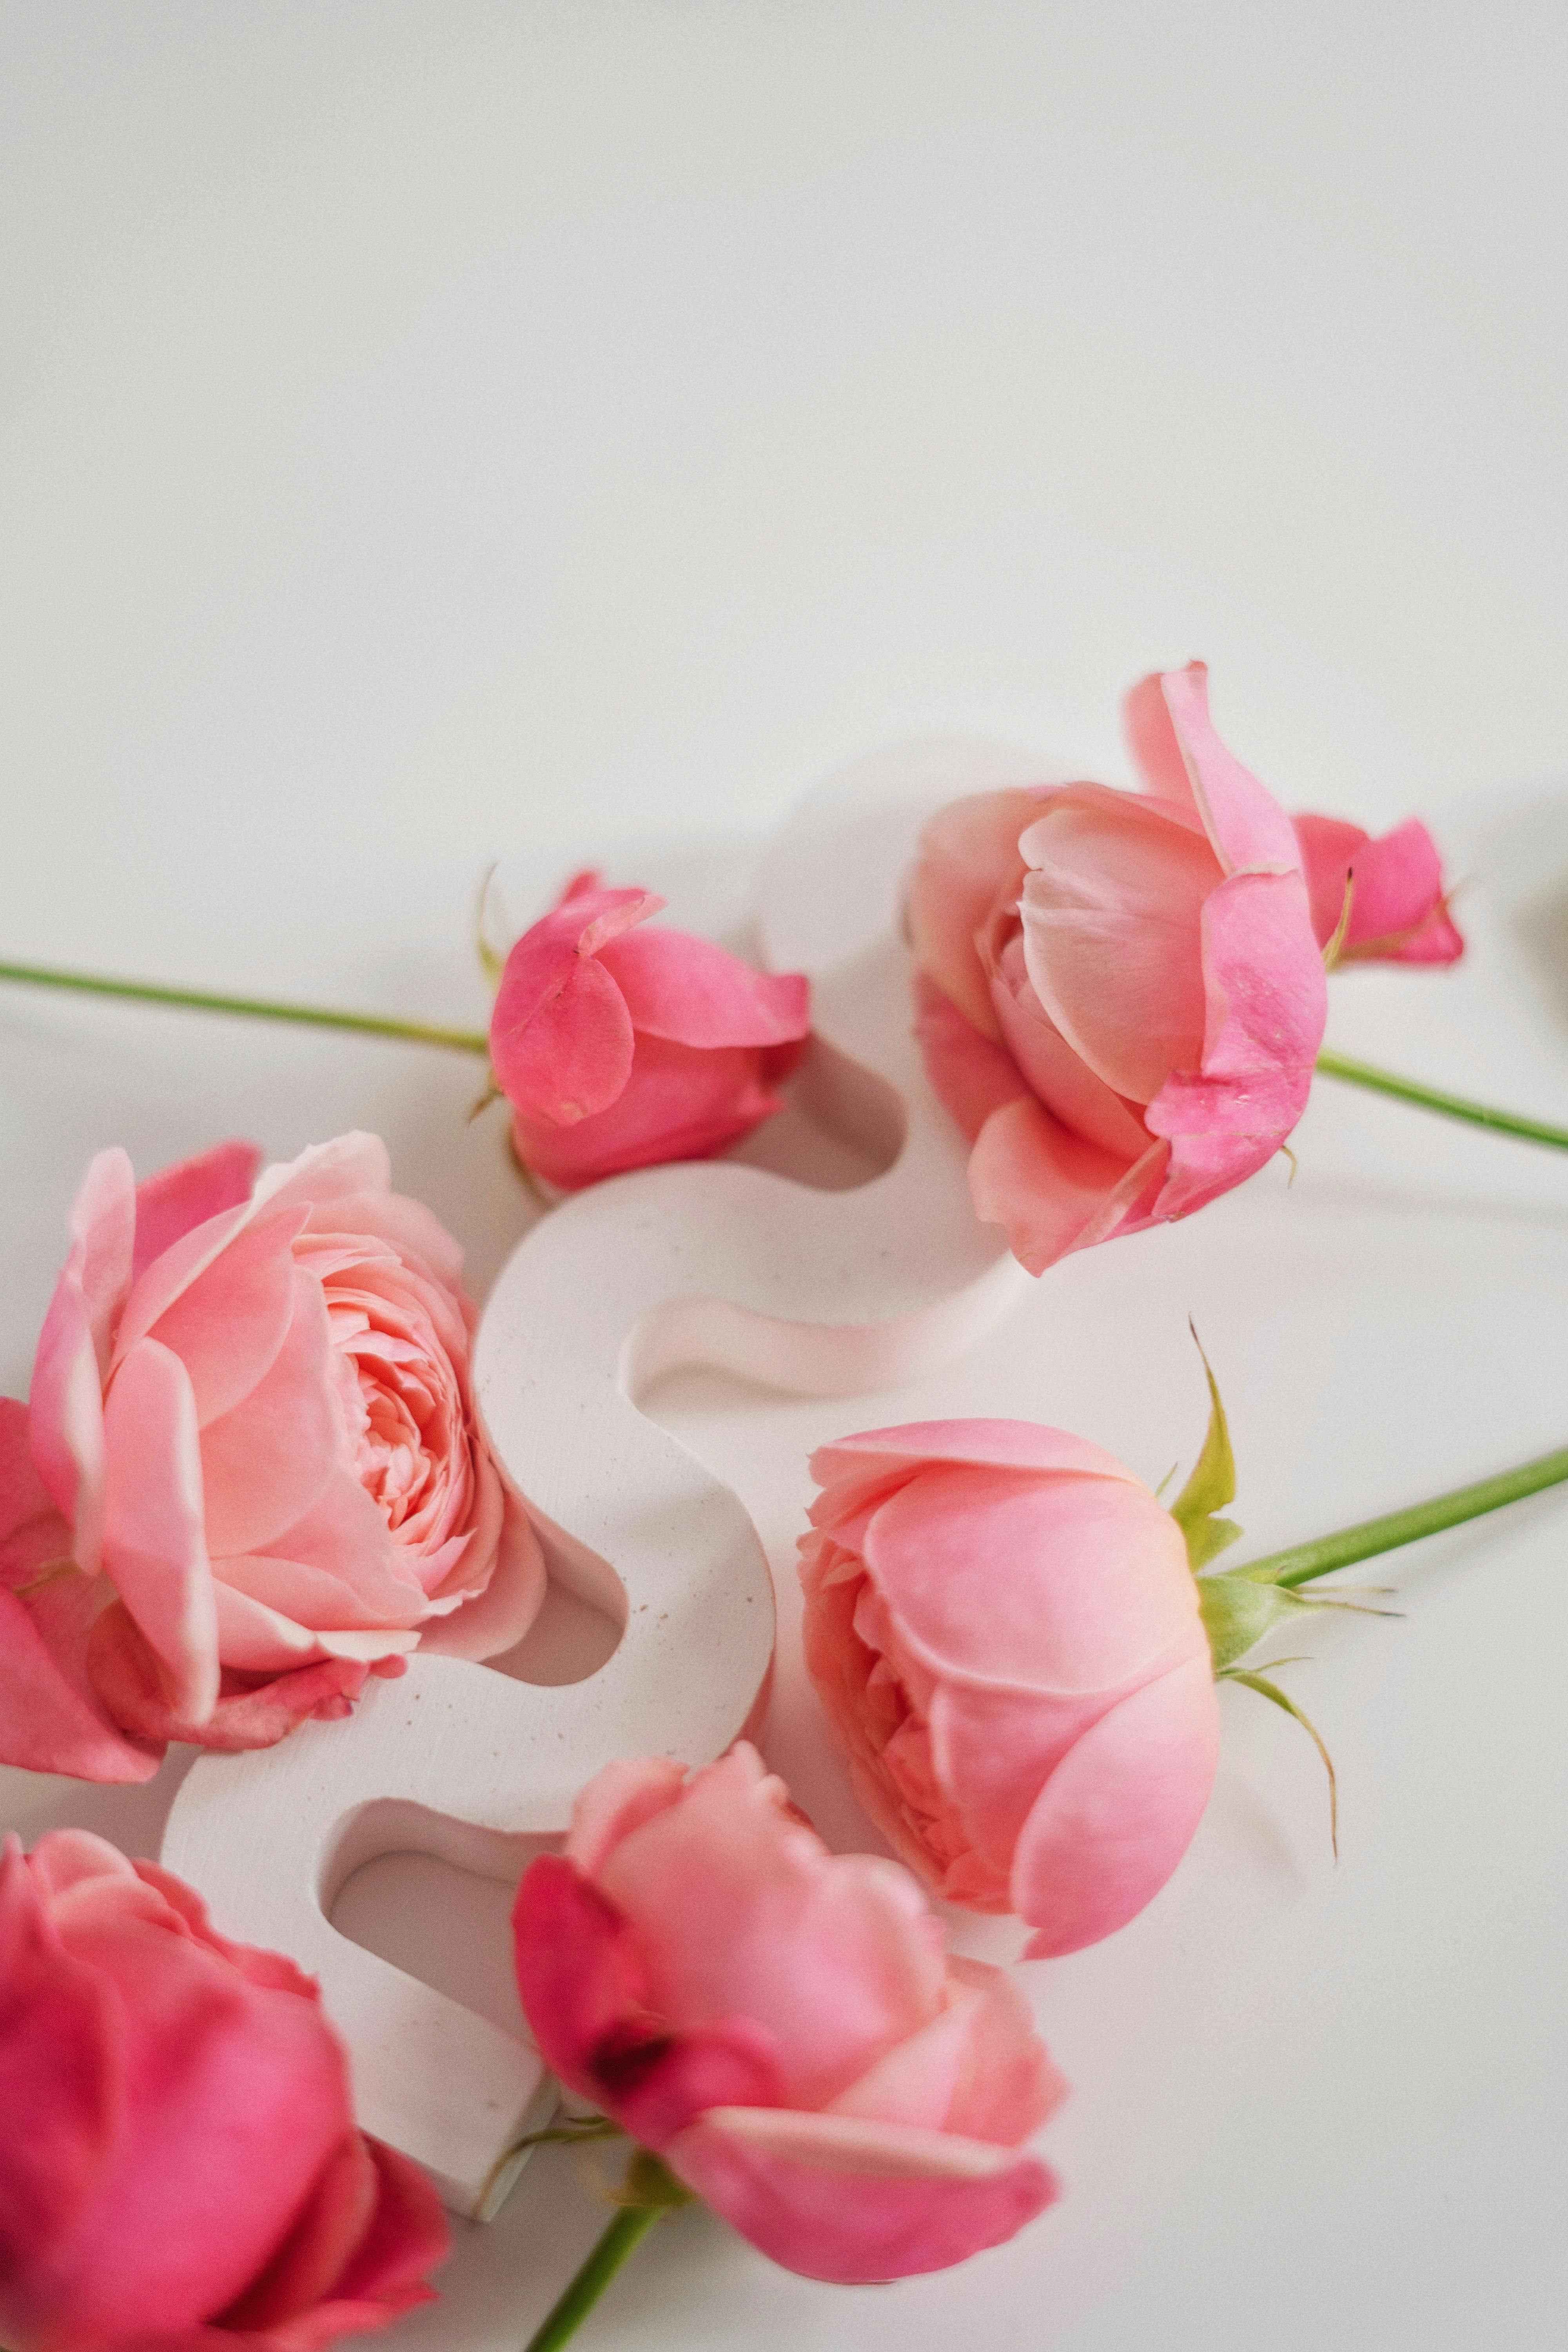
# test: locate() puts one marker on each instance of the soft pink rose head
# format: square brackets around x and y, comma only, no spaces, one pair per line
[780,2023]
[620,1047]
[1003,1627]
[250,1472]
[1389,895]
[178,2159]
[1121,994]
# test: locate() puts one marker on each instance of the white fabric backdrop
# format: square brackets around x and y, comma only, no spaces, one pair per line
[436,432]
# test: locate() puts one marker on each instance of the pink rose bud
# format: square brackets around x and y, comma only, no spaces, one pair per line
[781,2025]
[1004,1629]
[1398,906]
[250,1473]
[620,1048]
[177,2151]
[1121,994]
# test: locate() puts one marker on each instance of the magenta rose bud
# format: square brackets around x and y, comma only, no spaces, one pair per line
[780,2024]
[179,2165]
[250,1473]
[1121,994]
[1003,1627]
[621,1048]
[1398,910]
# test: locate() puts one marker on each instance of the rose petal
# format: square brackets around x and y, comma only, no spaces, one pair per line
[174,1202]
[736,1915]
[1269,1007]
[695,993]
[561,1037]
[1120,1811]
[268,1460]
[854,2202]
[154,1548]
[968,863]
[60,2068]
[1050,1191]
[1112,907]
[1060,1584]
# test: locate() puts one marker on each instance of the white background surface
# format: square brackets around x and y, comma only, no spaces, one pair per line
[439,432]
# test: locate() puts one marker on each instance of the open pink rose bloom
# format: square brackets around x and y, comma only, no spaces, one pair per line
[179,2166]
[250,1472]
[1003,1627]
[619,1047]
[1121,995]
[781,2025]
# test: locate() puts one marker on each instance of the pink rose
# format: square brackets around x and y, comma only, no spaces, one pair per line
[780,2024]
[1003,1627]
[1399,907]
[1121,994]
[250,1473]
[619,1048]
[179,2166]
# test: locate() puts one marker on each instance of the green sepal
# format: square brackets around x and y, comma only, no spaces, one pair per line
[1210,1487]
[1272,1692]
[1238,1609]
[650,2186]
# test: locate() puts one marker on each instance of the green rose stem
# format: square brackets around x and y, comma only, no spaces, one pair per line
[1387,1082]
[474,1041]
[648,2193]
[1303,1562]
[314,1016]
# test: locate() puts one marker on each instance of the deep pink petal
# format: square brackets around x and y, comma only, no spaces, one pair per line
[125,1674]
[235,2095]
[317,2249]
[34,1534]
[560,1035]
[1268,1008]
[680,1102]
[154,1549]
[61,2072]
[1050,1191]
[581,1980]
[971,1075]
[1119,1812]
[174,1202]
[49,1720]
[695,993]
[385,2274]
[968,861]
[1398,906]
[854,2202]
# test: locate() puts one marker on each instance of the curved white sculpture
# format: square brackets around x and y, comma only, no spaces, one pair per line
[717,1263]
